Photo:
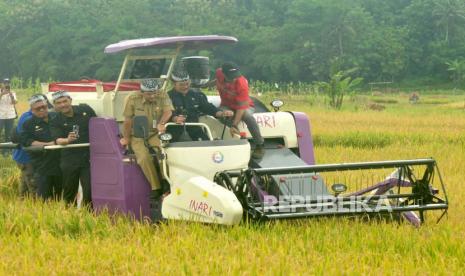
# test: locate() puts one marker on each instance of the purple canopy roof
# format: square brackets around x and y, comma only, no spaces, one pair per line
[191,42]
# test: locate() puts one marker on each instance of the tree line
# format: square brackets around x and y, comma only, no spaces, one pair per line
[279,40]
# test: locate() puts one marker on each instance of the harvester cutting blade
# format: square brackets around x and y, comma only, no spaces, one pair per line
[301,190]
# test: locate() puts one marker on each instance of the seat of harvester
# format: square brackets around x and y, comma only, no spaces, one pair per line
[308,186]
[276,156]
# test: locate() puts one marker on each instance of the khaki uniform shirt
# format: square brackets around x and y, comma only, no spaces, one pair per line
[136,105]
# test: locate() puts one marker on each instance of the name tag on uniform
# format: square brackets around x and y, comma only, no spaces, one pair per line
[154,123]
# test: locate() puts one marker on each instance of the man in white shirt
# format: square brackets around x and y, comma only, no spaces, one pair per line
[7,112]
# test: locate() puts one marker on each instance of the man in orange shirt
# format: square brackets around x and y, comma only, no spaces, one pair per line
[233,88]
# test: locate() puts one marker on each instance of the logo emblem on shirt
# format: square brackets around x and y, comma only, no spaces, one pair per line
[217,157]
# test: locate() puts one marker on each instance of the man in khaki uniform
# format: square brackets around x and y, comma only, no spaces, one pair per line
[156,105]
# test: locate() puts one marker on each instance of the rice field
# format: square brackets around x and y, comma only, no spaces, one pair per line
[48,238]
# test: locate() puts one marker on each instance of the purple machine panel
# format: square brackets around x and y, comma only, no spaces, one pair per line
[116,185]
[304,137]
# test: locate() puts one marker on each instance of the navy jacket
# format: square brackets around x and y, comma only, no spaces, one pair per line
[192,105]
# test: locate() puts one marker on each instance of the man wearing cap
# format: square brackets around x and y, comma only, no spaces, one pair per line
[45,163]
[156,105]
[189,105]
[7,112]
[22,158]
[234,93]
[71,126]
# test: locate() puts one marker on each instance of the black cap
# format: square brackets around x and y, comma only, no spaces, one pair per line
[230,70]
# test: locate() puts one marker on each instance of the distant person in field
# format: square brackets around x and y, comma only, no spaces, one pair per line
[189,105]
[233,88]
[36,132]
[71,126]
[7,113]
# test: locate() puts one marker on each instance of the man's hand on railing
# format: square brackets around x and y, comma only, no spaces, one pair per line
[161,128]
[179,119]
[71,137]
[124,142]
[225,113]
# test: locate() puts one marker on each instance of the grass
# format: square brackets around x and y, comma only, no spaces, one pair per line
[48,238]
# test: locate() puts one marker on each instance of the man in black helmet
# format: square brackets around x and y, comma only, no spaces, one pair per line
[189,105]
[233,88]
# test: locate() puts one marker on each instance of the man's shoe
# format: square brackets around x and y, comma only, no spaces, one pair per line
[156,194]
[155,205]
[258,152]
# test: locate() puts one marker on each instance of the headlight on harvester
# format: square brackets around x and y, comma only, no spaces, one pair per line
[165,137]
[338,188]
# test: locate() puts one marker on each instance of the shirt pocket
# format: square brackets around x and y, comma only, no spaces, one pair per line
[139,112]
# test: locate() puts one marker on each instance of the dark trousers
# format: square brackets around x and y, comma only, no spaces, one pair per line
[251,123]
[27,185]
[6,126]
[71,177]
[48,186]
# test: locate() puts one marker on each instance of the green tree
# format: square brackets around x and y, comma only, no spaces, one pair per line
[457,68]
[450,14]
[339,85]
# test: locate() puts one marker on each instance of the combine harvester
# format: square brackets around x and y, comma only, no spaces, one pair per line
[215,181]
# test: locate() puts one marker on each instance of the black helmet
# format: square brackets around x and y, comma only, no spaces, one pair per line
[230,70]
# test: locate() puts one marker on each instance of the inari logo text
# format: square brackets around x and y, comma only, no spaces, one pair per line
[200,207]
[217,157]
[265,120]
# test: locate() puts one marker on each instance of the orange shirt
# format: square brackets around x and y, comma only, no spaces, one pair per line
[235,94]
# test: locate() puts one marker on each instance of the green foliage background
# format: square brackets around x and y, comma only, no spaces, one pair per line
[280,40]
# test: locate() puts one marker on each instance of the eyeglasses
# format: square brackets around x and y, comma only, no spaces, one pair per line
[40,108]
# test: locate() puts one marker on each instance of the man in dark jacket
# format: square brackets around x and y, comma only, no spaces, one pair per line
[189,105]
[71,126]
[22,159]
[36,132]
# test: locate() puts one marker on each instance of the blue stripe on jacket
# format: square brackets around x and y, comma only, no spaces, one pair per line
[19,155]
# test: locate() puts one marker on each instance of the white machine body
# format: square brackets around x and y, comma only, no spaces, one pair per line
[194,195]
